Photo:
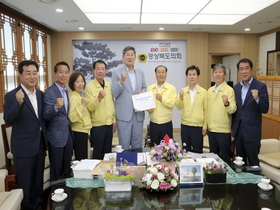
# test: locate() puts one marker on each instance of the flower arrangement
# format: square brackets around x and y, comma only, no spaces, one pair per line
[123,172]
[167,150]
[214,168]
[160,201]
[159,178]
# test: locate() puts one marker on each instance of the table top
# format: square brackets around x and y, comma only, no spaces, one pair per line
[227,196]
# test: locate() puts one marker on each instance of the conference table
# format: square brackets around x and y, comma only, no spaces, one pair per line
[206,197]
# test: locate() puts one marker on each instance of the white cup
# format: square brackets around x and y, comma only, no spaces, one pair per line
[58,192]
[265,183]
[238,159]
[118,148]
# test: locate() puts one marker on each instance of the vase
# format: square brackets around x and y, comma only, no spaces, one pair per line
[117,185]
[215,178]
[171,165]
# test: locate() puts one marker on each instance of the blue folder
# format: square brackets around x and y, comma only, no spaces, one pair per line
[125,157]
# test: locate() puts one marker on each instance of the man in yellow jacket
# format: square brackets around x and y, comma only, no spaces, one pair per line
[101,107]
[221,105]
[165,97]
[192,100]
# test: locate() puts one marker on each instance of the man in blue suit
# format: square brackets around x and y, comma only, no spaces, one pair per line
[59,132]
[23,110]
[127,81]
[252,100]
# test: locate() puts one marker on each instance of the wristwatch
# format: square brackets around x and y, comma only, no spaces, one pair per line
[227,104]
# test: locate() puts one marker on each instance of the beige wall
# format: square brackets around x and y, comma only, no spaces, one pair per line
[200,46]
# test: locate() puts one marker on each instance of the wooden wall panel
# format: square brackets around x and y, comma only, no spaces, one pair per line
[270,128]
[226,43]
[197,46]
[251,48]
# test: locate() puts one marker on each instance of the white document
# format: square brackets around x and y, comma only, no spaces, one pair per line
[86,165]
[143,101]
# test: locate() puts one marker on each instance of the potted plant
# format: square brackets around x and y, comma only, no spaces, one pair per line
[215,172]
[119,177]
[159,178]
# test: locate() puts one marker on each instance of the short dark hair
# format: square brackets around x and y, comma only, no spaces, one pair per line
[74,76]
[27,63]
[99,61]
[245,60]
[161,66]
[61,63]
[128,48]
[193,67]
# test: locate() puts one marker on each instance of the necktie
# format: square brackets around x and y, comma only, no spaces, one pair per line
[65,98]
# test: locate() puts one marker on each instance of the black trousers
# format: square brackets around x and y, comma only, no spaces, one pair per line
[29,171]
[80,145]
[247,150]
[192,137]
[158,131]
[60,158]
[220,143]
[101,138]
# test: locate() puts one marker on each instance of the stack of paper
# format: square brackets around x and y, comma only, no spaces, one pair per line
[83,170]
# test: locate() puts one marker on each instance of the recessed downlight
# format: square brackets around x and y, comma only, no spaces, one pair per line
[161,28]
[81,28]
[247,29]
[59,10]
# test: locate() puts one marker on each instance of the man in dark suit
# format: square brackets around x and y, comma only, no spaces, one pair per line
[23,110]
[252,100]
[59,133]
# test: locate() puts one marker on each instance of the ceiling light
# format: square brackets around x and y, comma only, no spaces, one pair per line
[166,18]
[59,10]
[206,19]
[160,6]
[247,29]
[202,12]
[115,18]
[48,1]
[161,28]
[81,28]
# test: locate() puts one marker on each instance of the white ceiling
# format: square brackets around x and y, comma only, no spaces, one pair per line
[264,20]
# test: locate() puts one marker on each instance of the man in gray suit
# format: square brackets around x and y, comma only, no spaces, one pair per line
[59,133]
[127,81]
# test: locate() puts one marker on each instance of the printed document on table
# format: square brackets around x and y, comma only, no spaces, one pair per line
[143,101]
[86,165]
